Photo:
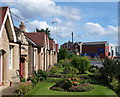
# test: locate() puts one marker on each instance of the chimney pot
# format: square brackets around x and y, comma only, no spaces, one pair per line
[22,26]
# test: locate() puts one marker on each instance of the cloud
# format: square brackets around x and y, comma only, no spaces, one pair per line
[97,29]
[15,11]
[41,24]
[44,8]
[59,31]
[41,13]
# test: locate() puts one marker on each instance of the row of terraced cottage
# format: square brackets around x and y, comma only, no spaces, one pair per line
[20,52]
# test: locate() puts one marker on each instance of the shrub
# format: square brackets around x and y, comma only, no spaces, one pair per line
[94,70]
[83,81]
[62,62]
[63,84]
[42,75]
[71,55]
[38,76]
[22,80]
[118,90]
[23,88]
[63,54]
[110,70]
[58,65]
[70,70]
[110,73]
[67,83]
[57,88]
[114,84]
[66,64]
[74,80]
[33,80]
[81,63]
[53,70]
[81,88]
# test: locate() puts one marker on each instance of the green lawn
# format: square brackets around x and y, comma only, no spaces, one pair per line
[42,88]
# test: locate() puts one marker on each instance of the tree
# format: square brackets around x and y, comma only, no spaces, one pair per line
[45,30]
[63,54]
[81,63]
[71,55]
[110,70]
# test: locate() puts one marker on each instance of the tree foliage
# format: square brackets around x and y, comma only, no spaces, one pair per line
[111,69]
[63,54]
[45,30]
[110,72]
[81,63]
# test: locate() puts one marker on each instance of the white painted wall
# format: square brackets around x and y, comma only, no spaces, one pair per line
[115,49]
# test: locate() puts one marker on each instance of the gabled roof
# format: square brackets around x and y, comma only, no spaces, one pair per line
[38,38]
[19,32]
[3,11]
[6,20]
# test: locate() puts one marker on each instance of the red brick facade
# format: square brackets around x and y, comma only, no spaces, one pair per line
[94,48]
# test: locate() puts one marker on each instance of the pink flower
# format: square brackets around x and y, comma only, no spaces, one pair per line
[73,78]
[69,78]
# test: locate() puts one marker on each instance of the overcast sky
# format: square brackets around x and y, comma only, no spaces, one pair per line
[89,21]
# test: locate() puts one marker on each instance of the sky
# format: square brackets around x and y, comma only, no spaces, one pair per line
[89,21]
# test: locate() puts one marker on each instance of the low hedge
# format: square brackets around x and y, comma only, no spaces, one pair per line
[24,87]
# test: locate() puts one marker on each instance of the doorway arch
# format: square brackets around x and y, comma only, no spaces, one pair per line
[3,70]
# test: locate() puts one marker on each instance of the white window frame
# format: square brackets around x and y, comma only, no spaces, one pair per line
[10,57]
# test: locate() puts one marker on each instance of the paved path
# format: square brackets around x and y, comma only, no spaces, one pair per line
[97,63]
[10,90]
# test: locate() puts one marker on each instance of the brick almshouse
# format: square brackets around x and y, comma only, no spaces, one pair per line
[22,52]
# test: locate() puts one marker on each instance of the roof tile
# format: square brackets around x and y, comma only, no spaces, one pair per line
[38,38]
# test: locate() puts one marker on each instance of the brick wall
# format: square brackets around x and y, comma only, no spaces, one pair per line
[93,49]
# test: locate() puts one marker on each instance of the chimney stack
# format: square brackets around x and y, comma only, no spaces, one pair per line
[22,27]
[72,37]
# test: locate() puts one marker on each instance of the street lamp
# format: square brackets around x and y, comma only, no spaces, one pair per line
[55,28]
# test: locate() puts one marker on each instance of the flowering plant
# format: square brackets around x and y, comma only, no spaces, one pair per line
[81,88]
[74,81]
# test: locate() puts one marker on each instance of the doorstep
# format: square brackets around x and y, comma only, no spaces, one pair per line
[10,90]
[1,88]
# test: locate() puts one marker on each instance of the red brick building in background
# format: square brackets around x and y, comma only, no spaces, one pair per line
[99,49]
[73,47]
[69,46]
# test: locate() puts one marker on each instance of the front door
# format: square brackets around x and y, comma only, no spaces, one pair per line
[0,68]
[22,67]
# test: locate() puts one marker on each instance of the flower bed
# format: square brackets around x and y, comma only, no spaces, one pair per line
[72,85]
[81,88]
